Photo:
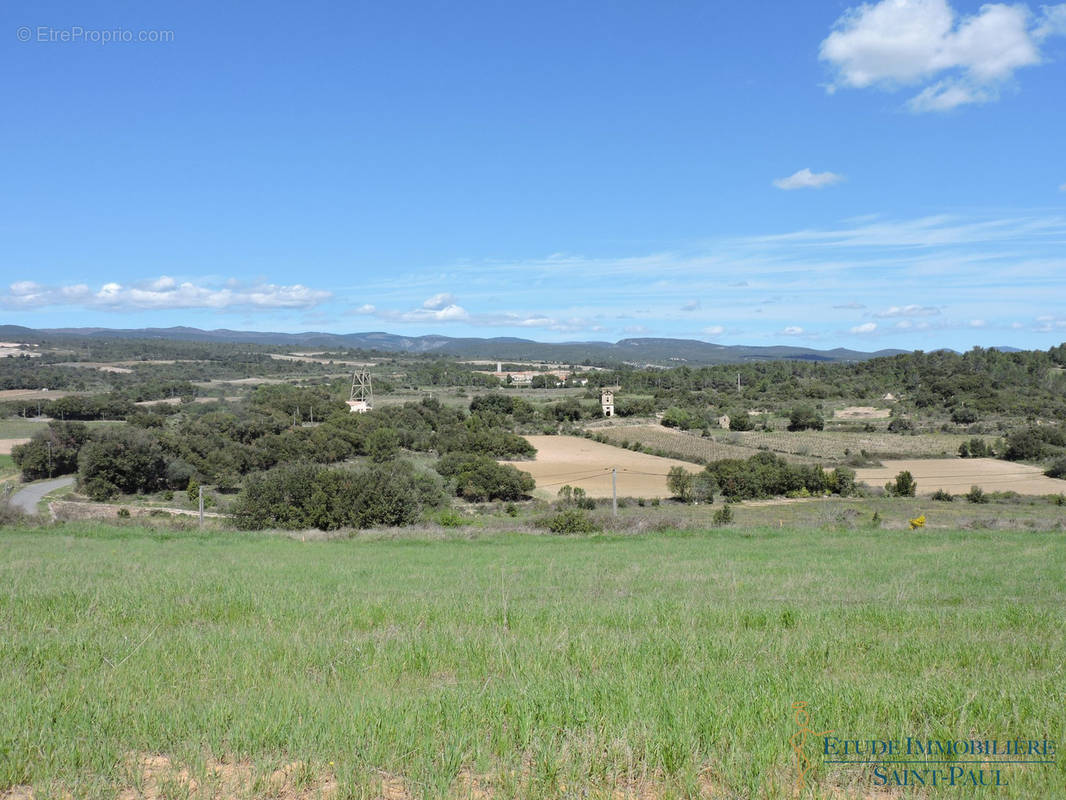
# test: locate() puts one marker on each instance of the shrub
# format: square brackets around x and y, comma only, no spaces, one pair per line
[976,495]
[10,514]
[125,460]
[704,487]
[53,451]
[765,475]
[1057,469]
[450,518]
[571,521]
[574,497]
[680,482]
[480,478]
[901,425]
[903,486]
[805,418]
[724,515]
[684,418]
[917,522]
[842,481]
[962,415]
[382,445]
[740,421]
[975,448]
[304,495]
[942,496]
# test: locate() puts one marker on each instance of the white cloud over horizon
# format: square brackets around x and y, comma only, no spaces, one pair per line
[163,293]
[805,179]
[924,279]
[955,59]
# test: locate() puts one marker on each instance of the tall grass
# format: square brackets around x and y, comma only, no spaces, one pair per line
[548,665]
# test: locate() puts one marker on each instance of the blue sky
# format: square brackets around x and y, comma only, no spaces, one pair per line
[821,174]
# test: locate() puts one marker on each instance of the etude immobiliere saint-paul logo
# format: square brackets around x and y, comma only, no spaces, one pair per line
[914,761]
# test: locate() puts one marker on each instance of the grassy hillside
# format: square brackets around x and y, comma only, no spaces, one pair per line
[515,665]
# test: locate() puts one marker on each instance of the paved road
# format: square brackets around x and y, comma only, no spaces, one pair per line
[28,498]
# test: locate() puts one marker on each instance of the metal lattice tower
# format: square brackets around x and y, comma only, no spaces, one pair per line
[361,398]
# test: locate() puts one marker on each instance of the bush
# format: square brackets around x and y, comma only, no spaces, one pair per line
[1057,469]
[480,478]
[10,514]
[943,497]
[805,418]
[976,495]
[382,445]
[724,515]
[765,475]
[450,518]
[53,451]
[704,487]
[903,486]
[975,448]
[740,421]
[574,497]
[121,460]
[683,418]
[901,425]
[842,481]
[962,415]
[680,483]
[308,496]
[571,521]
[1031,444]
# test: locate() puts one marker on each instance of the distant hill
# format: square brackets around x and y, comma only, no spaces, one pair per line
[666,352]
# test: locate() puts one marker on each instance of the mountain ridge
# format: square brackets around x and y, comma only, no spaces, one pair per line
[645,350]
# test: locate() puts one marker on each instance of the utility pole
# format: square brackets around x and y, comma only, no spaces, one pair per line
[201,507]
[738,383]
[49,459]
[614,491]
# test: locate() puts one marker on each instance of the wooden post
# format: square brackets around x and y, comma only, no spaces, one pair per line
[614,491]
[201,507]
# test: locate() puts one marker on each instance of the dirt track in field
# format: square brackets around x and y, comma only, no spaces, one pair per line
[580,462]
[957,475]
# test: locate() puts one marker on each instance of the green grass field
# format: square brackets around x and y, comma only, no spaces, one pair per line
[512,665]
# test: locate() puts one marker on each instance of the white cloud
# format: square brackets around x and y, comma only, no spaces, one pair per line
[805,179]
[792,330]
[852,305]
[946,95]
[977,323]
[439,301]
[162,293]
[908,311]
[1052,23]
[691,305]
[365,308]
[714,330]
[447,313]
[635,330]
[866,327]
[958,59]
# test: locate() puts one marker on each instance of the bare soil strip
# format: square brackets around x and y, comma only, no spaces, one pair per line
[7,444]
[580,462]
[957,475]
